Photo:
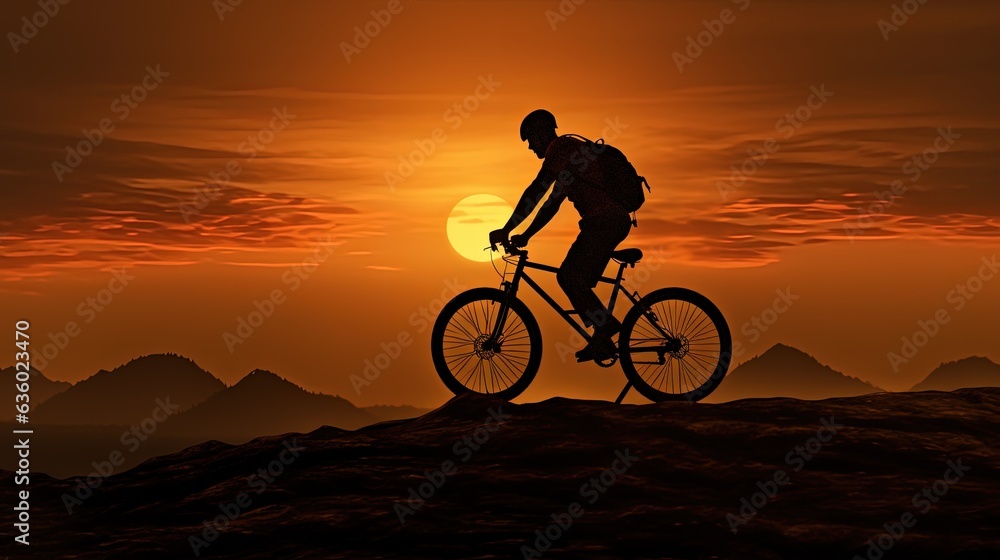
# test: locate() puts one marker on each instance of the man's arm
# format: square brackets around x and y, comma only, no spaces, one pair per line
[545,214]
[529,199]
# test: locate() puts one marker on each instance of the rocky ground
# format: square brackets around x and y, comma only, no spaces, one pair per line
[480,478]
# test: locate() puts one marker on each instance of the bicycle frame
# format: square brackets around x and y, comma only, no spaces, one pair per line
[670,344]
[511,287]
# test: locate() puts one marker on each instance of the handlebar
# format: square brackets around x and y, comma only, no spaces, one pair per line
[509,249]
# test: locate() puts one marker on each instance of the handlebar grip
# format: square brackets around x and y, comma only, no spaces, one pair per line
[508,248]
[512,250]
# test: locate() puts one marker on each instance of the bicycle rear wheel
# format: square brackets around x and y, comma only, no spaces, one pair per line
[466,358]
[675,345]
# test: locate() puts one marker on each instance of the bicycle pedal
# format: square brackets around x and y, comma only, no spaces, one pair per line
[607,362]
[598,359]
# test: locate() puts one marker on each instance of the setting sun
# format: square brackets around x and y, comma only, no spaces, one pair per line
[470,224]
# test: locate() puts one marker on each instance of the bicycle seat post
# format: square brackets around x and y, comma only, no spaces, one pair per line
[618,286]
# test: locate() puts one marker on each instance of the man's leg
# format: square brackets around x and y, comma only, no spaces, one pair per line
[583,266]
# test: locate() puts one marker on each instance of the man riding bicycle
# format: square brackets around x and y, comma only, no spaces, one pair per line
[604,223]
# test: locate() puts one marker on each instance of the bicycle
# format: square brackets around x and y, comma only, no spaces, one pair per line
[674,343]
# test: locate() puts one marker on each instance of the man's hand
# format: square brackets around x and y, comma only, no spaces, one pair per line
[520,240]
[498,237]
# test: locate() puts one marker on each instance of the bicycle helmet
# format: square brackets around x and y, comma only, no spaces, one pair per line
[535,120]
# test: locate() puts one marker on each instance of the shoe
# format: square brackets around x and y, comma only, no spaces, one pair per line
[585,355]
[600,348]
[608,330]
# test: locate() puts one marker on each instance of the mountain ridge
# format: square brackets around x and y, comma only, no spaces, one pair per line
[133,388]
[973,371]
[264,403]
[786,371]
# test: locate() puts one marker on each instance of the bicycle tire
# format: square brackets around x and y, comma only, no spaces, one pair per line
[466,328]
[709,361]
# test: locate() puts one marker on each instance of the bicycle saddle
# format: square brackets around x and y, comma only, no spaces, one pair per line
[627,256]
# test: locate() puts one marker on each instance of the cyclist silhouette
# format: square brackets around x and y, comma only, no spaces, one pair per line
[604,223]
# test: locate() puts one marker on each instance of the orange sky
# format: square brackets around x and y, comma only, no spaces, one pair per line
[319,181]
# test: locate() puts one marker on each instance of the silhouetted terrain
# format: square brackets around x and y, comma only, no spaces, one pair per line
[386,413]
[847,466]
[264,404]
[42,389]
[98,417]
[129,393]
[783,371]
[970,372]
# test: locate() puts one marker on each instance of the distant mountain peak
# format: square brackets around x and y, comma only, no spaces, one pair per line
[125,394]
[150,365]
[167,358]
[259,373]
[260,379]
[970,361]
[780,349]
[974,371]
[786,371]
[264,403]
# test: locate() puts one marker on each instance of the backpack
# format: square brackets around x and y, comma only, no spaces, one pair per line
[621,180]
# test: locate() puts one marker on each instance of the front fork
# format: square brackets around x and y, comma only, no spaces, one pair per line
[509,288]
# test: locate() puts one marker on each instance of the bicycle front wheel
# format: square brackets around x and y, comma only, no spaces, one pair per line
[675,345]
[467,358]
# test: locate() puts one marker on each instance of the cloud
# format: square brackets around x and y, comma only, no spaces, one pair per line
[148,202]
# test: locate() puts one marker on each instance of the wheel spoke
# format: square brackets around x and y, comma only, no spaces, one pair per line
[679,355]
[465,353]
